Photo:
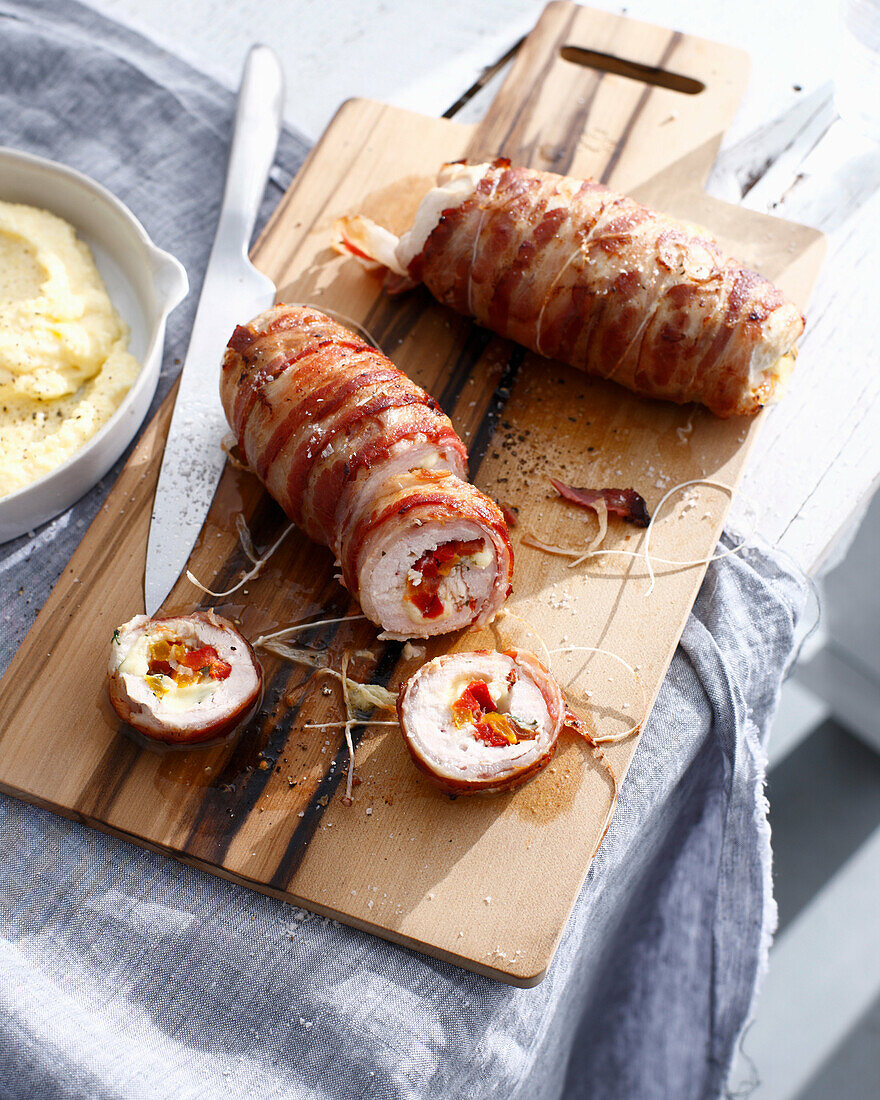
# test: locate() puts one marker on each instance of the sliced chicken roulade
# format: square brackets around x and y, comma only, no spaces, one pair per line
[481,721]
[363,461]
[185,679]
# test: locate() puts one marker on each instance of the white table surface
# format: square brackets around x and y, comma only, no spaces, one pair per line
[817,461]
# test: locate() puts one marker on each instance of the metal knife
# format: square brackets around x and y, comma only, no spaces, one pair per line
[233,292]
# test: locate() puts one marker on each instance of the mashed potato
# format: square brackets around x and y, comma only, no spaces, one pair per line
[64,367]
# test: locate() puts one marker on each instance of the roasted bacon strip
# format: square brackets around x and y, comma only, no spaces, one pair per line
[578,273]
[363,461]
[626,503]
[481,721]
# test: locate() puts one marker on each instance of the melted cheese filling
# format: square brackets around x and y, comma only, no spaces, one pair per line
[776,375]
[174,698]
[455,185]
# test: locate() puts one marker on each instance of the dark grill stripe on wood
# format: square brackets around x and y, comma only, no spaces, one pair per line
[214,826]
[674,41]
[526,100]
[481,438]
[105,782]
[296,848]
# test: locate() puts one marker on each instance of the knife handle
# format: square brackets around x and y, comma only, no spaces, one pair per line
[254,140]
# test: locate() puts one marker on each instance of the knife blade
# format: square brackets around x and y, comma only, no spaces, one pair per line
[233,291]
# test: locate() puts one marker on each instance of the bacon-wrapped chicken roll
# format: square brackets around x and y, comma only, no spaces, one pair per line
[578,273]
[184,679]
[362,460]
[481,721]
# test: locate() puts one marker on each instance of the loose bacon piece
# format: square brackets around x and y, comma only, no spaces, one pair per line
[363,461]
[625,503]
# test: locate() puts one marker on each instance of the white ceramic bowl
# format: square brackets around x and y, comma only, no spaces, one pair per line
[144,283]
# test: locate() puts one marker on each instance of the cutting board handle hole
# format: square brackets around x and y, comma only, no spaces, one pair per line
[634,70]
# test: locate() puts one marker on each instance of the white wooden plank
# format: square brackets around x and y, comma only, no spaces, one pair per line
[852,599]
[824,974]
[415,54]
[818,457]
[766,163]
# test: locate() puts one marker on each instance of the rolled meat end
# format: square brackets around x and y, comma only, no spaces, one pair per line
[581,274]
[433,555]
[184,679]
[481,721]
[363,460]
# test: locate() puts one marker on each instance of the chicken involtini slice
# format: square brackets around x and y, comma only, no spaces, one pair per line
[481,721]
[184,679]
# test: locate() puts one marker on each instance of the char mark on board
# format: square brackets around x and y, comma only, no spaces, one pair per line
[296,847]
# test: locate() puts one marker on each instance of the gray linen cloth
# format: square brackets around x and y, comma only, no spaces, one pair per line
[125,974]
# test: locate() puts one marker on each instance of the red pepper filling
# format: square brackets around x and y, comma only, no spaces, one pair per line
[204,661]
[355,251]
[208,660]
[433,566]
[475,705]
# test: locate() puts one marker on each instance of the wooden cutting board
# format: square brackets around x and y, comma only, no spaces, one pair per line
[486,883]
